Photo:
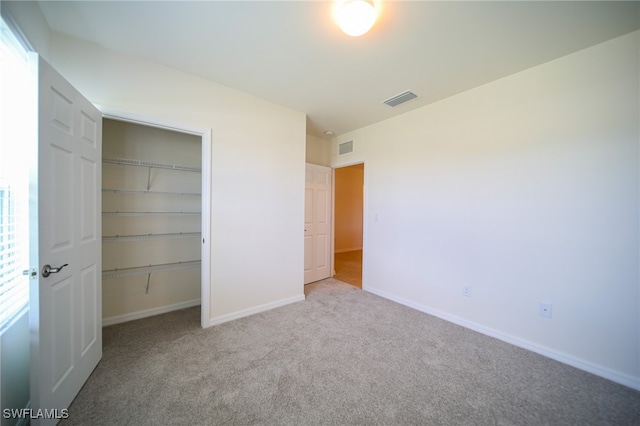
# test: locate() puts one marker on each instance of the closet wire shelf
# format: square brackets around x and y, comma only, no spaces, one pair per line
[142,237]
[118,213]
[128,162]
[150,269]
[147,192]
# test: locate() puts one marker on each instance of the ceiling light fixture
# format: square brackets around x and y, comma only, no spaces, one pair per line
[356,17]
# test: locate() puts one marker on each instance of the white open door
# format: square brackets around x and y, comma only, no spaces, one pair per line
[317,223]
[65,303]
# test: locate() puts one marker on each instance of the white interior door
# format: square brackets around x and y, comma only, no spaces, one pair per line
[317,223]
[66,305]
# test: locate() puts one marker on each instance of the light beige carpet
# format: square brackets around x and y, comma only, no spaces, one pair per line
[342,357]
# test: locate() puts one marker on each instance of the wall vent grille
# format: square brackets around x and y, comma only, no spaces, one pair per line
[345,148]
[400,98]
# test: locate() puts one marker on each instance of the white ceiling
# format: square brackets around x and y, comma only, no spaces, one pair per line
[293,54]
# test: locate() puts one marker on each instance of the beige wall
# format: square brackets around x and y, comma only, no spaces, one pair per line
[349,185]
[257,164]
[526,189]
[318,150]
[257,168]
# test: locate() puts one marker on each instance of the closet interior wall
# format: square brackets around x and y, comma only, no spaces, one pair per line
[151,220]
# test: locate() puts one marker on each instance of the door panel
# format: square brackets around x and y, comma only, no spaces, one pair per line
[321,207]
[317,222]
[61,326]
[57,221]
[66,307]
[308,204]
[88,202]
[322,258]
[308,252]
[90,326]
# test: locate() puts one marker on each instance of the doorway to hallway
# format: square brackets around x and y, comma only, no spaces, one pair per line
[348,222]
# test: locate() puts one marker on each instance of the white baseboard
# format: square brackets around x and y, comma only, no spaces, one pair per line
[255,310]
[573,361]
[149,312]
[347,250]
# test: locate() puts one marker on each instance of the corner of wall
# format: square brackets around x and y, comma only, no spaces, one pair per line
[318,150]
[30,24]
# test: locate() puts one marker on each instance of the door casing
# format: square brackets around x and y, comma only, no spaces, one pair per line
[205,135]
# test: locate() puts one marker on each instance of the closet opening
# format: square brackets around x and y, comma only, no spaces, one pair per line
[155,219]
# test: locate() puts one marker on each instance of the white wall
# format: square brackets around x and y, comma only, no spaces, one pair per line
[258,160]
[527,190]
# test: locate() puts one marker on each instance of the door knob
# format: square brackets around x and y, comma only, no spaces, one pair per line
[48,270]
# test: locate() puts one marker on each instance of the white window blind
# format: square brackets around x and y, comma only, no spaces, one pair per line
[14,287]
[14,176]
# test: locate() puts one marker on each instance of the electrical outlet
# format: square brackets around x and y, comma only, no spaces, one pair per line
[544,309]
[466,290]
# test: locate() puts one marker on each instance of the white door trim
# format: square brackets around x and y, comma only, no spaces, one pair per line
[205,134]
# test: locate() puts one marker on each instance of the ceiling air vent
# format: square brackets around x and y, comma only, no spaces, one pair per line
[345,148]
[400,99]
